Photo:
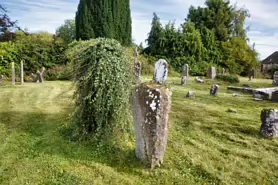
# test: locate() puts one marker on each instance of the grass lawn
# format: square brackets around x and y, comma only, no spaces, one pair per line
[207,145]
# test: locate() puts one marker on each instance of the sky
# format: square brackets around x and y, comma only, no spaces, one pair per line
[47,15]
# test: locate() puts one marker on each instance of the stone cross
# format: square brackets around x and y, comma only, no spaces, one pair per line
[269,127]
[183,80]
[211,72]
[185,71]
[275,78]
[137,67]
[214,90]
[1,79]
[13,74]
[150,106]
[21,73]
[161,71]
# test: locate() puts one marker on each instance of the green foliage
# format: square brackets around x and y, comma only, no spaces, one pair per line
[228,78]
[102,80]
[67,31]
[104,18]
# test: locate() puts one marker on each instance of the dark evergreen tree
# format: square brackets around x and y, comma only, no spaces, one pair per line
[104,18]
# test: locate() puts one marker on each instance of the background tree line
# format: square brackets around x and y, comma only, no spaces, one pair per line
[211,35]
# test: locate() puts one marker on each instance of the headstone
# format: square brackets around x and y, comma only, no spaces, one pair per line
[13,74]
[211,73]
[190,94]
[185,70]
[40,75]
[274,96]
[137,67]
[269,127]
[151,105]
[232,110]
[34,78]
[21,73]
[183,80]
[214,90]
[252,74]
[198,80]
[223,71]
[1,79]
[275,78]
[161,71]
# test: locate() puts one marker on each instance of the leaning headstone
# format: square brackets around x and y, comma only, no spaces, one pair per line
[137,67]
[269,118]
[13,74]
[151,105]
[185,70]
[214,90]
[34,78]
[1,79]
[21,73]
[40,75]
[275,78]
[211,72]
[161,71]
[183,80]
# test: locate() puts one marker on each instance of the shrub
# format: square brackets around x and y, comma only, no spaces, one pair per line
[228,78]
[102,80]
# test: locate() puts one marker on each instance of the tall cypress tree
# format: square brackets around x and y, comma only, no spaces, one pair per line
[104,18]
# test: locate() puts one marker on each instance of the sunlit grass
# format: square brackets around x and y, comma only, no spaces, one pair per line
[207,145]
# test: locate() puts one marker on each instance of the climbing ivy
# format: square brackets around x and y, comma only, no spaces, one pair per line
[102,87]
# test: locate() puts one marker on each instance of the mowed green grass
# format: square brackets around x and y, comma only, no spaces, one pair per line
[207,145]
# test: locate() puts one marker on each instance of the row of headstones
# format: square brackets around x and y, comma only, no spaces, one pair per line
[35,78]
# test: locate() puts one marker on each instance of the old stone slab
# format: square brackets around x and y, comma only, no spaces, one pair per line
[211,72]
[214,90]
[198,80]
[161,71]
[240,89]
[151,105]
[13,74]
[264,93]
[183,80]
[269,127]
[185,70]
[275,78]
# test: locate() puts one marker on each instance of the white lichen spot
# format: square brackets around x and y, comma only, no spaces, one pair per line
[155,97]
[147,102]
[148,90]
[158,101]
[152,105]
[136,90]
[157,90]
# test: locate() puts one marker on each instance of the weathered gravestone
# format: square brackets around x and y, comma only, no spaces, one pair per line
[211,72]
[252,74]
[21,73]
[214,90]
[161,71]
[151,105]
[137,67]
[269,127]
[223,71]
[185,71]
[183,80]
[1,79]
[275,78]
[198,80]
[190,94]
[274,96]
[13,74]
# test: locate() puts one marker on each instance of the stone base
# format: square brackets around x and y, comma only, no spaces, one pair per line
[269,120]
[151,105]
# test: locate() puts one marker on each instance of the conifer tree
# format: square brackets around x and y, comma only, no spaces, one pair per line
[104,18]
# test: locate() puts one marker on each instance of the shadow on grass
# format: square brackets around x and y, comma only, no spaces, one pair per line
[45,130]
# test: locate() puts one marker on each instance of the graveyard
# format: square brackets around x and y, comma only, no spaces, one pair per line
[206,144]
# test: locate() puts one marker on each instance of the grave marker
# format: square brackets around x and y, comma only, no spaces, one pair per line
[183,80]
[161,71]
[13,74]
[21,73]
[185,71]
[211,72]
[214,90]
[269,127]
[275,78]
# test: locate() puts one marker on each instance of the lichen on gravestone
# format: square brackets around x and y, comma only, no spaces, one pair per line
[269,127]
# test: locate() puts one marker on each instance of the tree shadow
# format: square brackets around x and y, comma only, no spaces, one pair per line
[45,129]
